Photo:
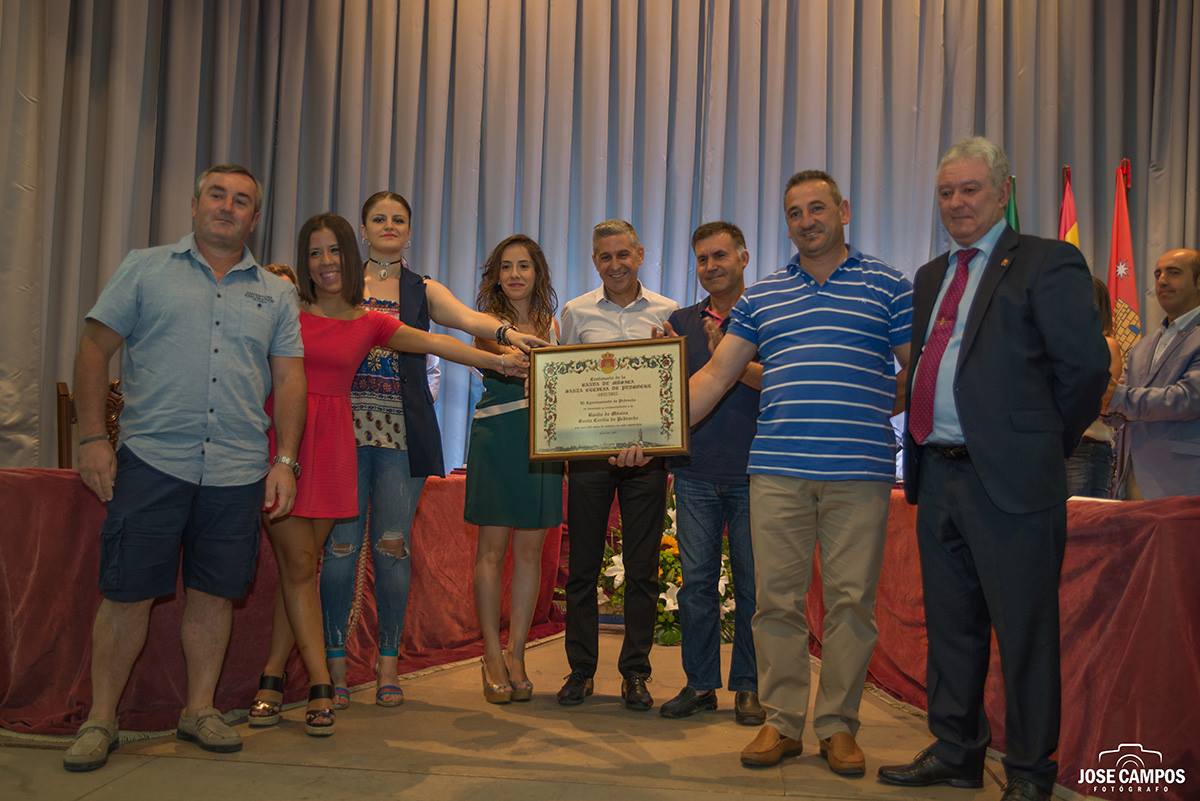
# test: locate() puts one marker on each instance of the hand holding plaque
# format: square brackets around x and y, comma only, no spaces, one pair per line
[591,401]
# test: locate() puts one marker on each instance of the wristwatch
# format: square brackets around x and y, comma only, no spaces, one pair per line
[290,462]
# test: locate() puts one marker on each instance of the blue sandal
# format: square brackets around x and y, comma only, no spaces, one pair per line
[384,690]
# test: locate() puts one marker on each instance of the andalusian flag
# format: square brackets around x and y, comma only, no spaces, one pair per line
[1122,280]
[1010,211]
[1068,225]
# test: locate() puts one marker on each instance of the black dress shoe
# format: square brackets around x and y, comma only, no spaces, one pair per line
[688,703]
[1024,790]
[927,769]
[747,710]
[575,689]
[634,692]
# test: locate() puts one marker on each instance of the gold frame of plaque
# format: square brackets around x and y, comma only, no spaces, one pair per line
[608,378]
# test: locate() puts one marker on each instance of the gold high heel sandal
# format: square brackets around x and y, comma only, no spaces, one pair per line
[494,692]
[521,690]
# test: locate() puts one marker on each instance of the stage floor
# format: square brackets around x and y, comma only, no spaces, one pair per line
[446,743]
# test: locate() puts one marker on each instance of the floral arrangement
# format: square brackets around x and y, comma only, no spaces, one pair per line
[610,590]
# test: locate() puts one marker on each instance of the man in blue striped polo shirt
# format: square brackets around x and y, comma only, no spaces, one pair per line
[825,329]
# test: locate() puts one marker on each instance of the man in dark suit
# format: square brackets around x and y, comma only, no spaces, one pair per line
[1011,369]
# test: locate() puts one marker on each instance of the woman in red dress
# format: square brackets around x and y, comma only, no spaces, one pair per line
[337,335]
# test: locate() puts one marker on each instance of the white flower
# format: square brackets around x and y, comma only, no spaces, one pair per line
[728,606]
[616,571]
[601,598]
[671,596]
[722,583]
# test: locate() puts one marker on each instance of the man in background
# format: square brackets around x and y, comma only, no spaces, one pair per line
[1159,400]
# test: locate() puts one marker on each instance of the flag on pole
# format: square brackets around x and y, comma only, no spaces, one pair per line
[1122,280]
[1068,224]
[1010,211]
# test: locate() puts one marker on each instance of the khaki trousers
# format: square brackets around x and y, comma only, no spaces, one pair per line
[788,517]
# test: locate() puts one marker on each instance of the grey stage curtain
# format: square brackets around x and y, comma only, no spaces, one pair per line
[545,116]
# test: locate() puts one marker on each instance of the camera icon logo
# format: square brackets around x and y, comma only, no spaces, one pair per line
[1131,767]
[1130,756]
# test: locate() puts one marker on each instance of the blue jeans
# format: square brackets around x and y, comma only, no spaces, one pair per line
[1090,469]
[384,485]
[703,509]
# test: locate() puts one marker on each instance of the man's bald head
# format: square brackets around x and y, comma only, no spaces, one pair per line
[1177,281]
[1185,256]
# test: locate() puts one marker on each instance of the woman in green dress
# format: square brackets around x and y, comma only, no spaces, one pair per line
[507,495]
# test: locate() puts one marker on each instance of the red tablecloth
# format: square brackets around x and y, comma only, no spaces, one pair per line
[48,597]
[1130,618]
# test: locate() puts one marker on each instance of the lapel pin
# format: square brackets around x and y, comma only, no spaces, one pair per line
[1004,263]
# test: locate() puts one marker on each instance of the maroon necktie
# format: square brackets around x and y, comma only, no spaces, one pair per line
[920,410]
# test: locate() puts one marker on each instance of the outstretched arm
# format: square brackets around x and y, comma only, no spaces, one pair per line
[707,386]
[753,374]
[447,310]
[414,340]
[710,383]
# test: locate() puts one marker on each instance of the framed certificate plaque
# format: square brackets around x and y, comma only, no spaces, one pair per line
[590,401]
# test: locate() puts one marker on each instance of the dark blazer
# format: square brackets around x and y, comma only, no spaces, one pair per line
[1032,369]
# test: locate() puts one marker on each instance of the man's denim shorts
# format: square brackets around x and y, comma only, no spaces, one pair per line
[152,514]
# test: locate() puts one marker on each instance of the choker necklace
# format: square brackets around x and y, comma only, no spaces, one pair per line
[384,265]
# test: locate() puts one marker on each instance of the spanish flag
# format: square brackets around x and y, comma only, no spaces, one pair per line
[1122,280]
[1068,225]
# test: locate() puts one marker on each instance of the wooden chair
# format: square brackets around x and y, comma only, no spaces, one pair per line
[66,418]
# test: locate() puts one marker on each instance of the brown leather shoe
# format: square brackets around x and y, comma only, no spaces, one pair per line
[844,756]
[768,747]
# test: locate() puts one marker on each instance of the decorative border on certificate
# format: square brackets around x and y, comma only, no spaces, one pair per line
[590,401]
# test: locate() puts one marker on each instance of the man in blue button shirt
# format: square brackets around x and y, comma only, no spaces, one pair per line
[207,334]
[1009,371]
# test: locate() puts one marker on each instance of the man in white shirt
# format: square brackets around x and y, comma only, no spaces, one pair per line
[620,309]
[1159,397]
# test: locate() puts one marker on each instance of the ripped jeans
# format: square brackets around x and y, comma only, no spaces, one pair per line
[385,486]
